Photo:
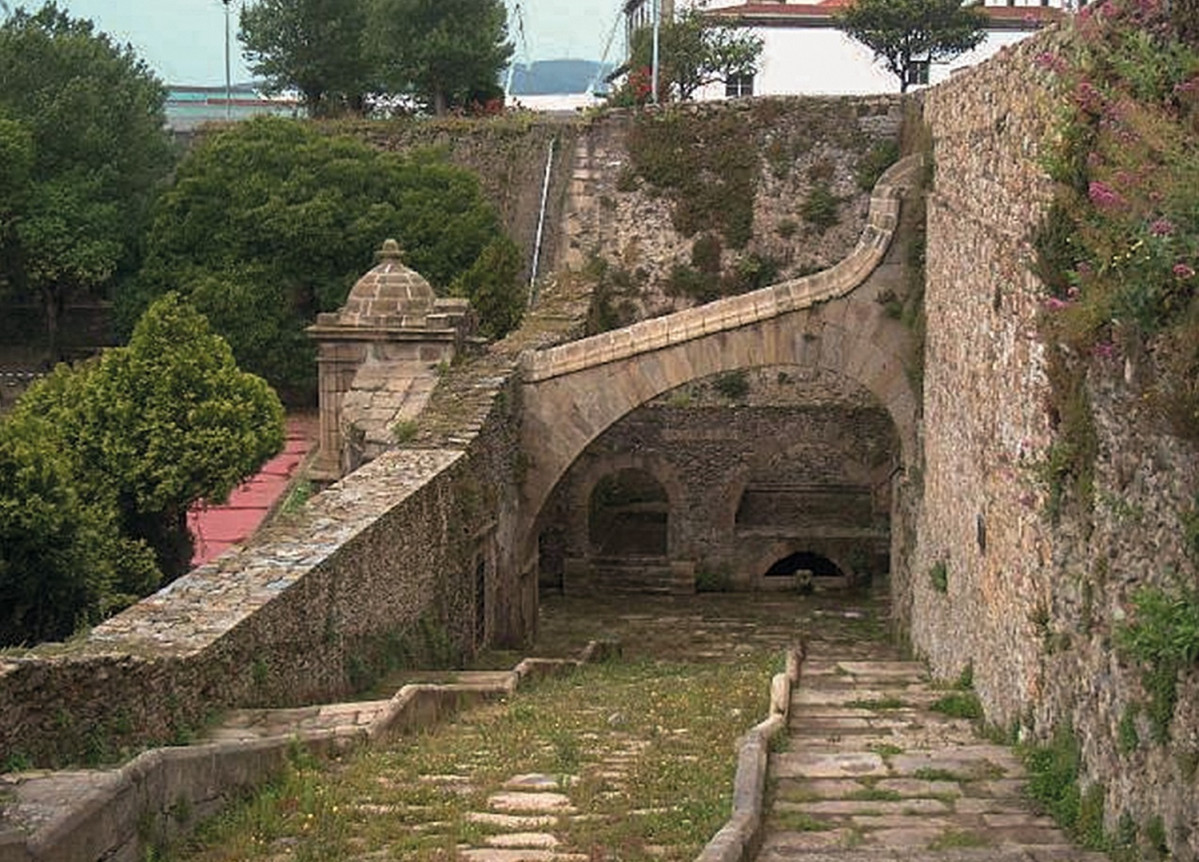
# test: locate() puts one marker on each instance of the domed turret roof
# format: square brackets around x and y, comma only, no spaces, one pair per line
[389,293]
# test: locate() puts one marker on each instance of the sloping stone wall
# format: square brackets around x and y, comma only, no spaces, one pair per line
[380,568]
[1034,605]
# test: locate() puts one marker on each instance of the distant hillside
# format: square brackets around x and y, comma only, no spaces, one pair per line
[547,77]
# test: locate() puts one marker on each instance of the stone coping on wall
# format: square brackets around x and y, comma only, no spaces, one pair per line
[736,311]
[87,815]
[191,613]
[738,839]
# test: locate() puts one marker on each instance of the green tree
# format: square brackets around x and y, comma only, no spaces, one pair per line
[903,33]
[63,560]
[314,46]
[445,53]
[85,120]
[162,423]
[492,284]
[696,49]
[272,221]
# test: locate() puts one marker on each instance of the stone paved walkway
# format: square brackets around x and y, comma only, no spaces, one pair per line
[872,774]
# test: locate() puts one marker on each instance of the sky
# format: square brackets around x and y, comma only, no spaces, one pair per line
[183,41]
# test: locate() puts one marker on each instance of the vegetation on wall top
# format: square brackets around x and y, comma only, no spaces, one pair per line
[1119,254]
[1118,248]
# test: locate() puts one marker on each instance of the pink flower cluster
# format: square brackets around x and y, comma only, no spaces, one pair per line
[1104,196]
[1052,62]
[1088,98]
[1162,227]
[1183,271]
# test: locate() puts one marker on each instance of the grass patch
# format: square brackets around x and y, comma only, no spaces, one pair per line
[800,821]
[875,794]
[684,719]
[884,749]
[929,773]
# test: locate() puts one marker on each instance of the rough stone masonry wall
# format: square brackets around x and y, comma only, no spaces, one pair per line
[1032,605]
[377,568]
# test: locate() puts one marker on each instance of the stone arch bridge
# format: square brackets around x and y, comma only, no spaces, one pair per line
[831,321]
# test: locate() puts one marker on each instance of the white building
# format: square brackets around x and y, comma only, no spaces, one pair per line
[804,52]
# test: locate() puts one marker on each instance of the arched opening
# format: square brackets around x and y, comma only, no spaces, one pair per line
[804,561]
[628,515]
[805,571]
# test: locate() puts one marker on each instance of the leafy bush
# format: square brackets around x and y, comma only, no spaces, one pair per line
[820,207]
[63,562]
[272,221]
[1164,637]
[160,424]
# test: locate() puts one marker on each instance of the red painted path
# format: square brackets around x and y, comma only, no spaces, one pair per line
[217,528]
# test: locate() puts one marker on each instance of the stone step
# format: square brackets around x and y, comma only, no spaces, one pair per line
[781,851]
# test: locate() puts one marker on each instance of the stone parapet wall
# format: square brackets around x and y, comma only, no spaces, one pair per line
[371,571]
[1034,605]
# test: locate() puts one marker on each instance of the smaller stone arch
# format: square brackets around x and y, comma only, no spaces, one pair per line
[596,469]
[778,565]
[628,514]
[642,527]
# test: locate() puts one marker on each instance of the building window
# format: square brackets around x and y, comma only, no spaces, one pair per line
[739,85]
[917,72]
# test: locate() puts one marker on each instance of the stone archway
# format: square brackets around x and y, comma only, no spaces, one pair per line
[628,515]
[832,320]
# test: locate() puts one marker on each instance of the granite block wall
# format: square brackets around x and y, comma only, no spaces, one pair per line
[1034,605]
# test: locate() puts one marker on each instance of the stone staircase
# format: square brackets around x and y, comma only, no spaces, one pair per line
[872,773]
[630,576]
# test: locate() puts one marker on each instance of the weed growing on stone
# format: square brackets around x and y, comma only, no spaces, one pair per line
[874,162]
[821,208]
[1127,736]
[959,704]
[1163,637]
[405,431]
[938,576]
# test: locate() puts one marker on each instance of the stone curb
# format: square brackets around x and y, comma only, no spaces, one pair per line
[739,837]
[142,800]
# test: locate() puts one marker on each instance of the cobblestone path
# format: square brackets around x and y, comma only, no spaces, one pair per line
[869,772]
[872,774]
